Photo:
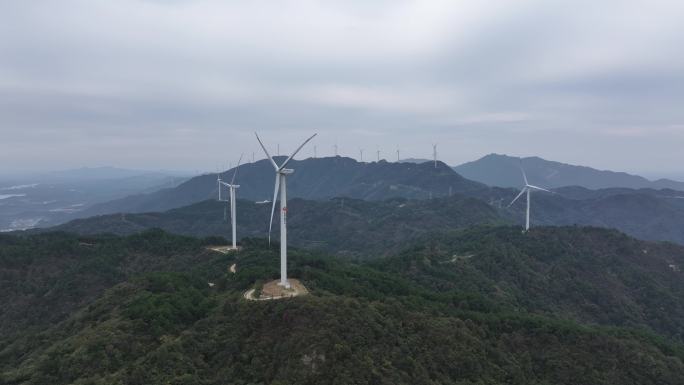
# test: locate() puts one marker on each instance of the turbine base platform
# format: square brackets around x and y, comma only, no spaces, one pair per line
[273,290]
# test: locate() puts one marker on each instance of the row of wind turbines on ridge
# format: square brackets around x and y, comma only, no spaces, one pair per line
[361,152]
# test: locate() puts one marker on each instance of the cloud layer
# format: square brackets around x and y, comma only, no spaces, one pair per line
[184,83]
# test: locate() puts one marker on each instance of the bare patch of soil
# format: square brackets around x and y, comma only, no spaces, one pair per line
[272,290]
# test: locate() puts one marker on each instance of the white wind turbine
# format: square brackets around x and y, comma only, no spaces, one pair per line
[280,184]
[233,210]
[526,189]
[434,154]
[218,183]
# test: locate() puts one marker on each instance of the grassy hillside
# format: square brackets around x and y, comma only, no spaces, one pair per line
[486,305]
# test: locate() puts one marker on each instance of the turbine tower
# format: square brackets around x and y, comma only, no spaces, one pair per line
[233,210]
[281,185]
[434,153]
[220,199]
[527,189]
[361,152]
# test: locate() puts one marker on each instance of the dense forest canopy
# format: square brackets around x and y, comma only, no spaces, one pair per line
[486,305]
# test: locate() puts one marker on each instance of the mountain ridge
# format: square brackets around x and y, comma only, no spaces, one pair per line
[504,171]
[314,178]
[345,226]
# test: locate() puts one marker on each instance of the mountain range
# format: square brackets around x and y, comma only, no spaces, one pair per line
[314,178]
[348,227]
[504,171]
[368,229]
[325,178]
[49,198]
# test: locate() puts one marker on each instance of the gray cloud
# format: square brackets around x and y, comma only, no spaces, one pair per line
[183,84]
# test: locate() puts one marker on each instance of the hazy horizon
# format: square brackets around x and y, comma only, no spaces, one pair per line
[8,174]
[183,85]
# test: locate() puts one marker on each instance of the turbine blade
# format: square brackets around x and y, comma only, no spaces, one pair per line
[296,151]
[266,151]
[236,170]
[523,172]
[275,197]
[538,188]
[518,197]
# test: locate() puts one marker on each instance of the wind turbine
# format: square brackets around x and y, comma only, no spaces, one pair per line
[361,152]
[280,184]
[219,184]
[434,153]
[233,210]
[527,189]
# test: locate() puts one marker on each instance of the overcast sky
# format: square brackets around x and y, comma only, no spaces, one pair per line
[183,84]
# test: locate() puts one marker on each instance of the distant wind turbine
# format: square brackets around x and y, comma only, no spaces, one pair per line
[220,198]
[335,146]
[434,153]
[361,151]
[233,210]
[281,185]
[397,155]
[527,189]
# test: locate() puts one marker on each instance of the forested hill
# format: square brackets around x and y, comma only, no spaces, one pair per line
[314,178]
[588,274]
[348,227]
[486,305]
[360,228]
